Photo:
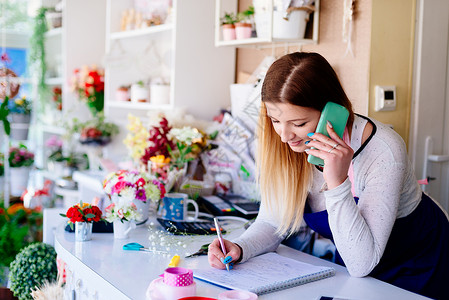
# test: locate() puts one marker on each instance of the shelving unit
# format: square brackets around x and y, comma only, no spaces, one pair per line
[181,51]
[266,39]
[79,41]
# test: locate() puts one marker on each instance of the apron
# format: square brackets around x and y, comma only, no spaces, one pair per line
[416,257]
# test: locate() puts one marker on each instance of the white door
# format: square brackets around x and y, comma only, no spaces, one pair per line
[429,133]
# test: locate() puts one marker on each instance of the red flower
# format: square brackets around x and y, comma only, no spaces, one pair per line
[97,212]
[86,212]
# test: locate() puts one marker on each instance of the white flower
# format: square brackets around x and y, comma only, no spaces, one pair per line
[186,134]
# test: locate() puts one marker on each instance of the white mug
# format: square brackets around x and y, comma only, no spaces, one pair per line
[174,207]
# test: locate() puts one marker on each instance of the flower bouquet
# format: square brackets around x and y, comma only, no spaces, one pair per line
[89,84]
[135,187]
[82,215]
[95,132]
[123,215]
[123,210]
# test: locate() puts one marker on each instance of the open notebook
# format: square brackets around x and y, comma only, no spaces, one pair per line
[265,273]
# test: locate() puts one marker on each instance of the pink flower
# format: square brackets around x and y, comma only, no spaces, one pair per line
[141,182]
[120,214]
[110,208]
[141,195]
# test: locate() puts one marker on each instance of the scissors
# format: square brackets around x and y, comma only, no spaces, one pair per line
[139,247]
[203,251]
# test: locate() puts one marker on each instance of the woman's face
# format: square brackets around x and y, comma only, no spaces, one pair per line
[292,123]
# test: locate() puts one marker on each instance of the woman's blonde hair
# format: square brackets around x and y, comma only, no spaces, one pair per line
[285,176]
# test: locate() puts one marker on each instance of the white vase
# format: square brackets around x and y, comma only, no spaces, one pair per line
[144,209]
[83,231]
[122,229]
[139,93]
[160,94]
[19,180]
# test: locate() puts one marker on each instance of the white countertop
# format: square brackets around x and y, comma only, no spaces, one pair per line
[127,274]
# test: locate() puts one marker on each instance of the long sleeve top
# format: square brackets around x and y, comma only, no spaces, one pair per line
[386,187]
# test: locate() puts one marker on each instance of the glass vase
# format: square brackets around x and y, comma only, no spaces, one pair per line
[83,231]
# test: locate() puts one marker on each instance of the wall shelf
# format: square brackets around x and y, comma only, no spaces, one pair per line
[141,32]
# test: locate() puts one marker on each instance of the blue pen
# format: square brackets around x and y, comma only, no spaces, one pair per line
[220,238]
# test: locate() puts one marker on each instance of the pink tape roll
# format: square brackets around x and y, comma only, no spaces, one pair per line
[178,276]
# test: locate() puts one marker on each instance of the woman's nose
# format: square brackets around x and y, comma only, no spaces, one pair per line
[286,134]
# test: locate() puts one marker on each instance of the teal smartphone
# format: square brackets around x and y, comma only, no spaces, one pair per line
[338,116]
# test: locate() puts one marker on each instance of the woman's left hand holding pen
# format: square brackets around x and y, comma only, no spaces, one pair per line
[218,259]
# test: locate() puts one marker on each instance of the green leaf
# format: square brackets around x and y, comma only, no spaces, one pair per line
[90,216]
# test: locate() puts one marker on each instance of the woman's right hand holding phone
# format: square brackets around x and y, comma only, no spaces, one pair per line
[218,259]
[337,156]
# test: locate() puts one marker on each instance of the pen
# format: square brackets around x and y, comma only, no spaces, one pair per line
[220,238]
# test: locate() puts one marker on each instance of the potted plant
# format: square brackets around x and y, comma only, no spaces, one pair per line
[83,215]
[228,27]
[123,215]
[135,187]
[19,117]
[159,91]
[139,92]
[20,161]
[122,93]
[33,266]
[243,26]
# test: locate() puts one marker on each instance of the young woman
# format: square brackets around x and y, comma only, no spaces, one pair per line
[366,198]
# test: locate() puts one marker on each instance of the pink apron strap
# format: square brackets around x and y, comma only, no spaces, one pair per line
[351,169]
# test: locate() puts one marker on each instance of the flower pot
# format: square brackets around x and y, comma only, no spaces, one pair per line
[19,131]
[242,30]
[122,95]
[139,93]
[122,229]
[160,94]
[19,118]
[228,32]
[83,231]
[19,180]
[293,28]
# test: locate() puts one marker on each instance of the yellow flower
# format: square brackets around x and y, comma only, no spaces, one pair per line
[160,159]
[19,102]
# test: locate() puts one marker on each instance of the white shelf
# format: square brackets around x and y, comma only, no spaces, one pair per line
[140,106]
[266,39]
[141,32]
[53,129]
[56,32]
[54,81]
[262,42]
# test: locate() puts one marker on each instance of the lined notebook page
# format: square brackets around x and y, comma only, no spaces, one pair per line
[264,274]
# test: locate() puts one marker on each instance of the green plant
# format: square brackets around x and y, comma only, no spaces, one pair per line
[102,128]
[33,266]
[4,112]
[12,235]
[37,51]
[245,16]
[229,18]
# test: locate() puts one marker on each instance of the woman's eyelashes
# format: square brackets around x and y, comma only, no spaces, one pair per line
[299,125]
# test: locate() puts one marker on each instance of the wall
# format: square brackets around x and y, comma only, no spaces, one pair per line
[391,61]
[383,51]
[353,71]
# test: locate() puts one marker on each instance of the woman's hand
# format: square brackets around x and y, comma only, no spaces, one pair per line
[337,156]
[217,257]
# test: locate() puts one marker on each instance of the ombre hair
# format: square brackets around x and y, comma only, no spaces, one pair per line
[285,176]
